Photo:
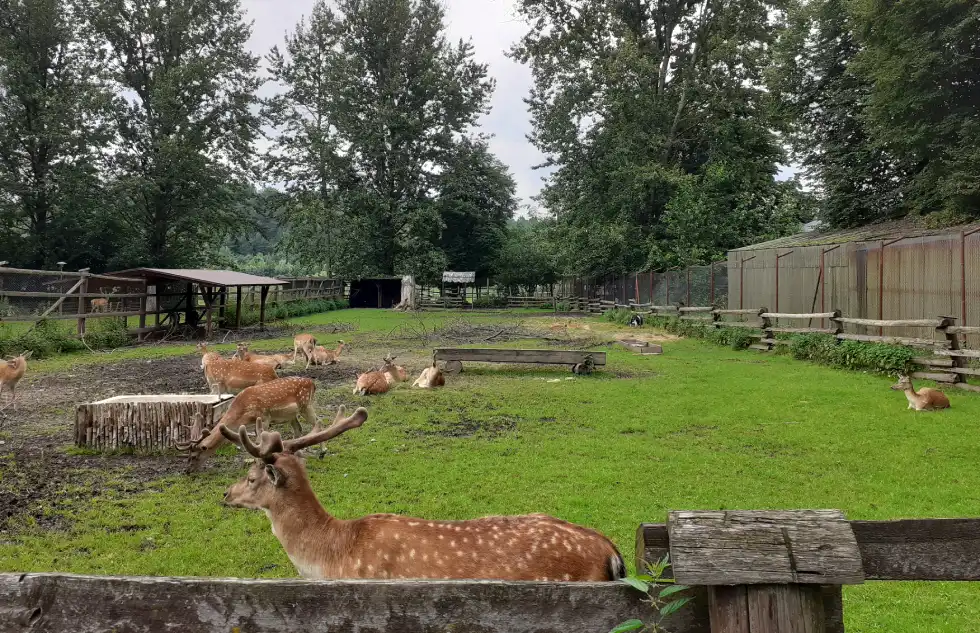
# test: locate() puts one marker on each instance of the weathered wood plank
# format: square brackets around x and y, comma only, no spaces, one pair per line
[540,356]
[771,547]
[933,323]
[696,309]
[938,377]
[908,549]
[966,371]
[748,326]
[967,387]
[728,609]
[920,549]
[959,353]
[895,340]
[66,603]
[963,329]
[929,361]
[803,330]
[784,315]
[742,311]
[785,609]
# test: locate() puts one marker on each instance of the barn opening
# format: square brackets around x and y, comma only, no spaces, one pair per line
[375,293]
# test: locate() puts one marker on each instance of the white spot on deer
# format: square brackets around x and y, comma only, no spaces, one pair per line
[431,524]
[568,577]
[370,568]
[411,554]
[413,524]
[452,543]
[425,558]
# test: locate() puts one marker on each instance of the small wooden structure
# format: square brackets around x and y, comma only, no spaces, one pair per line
[145,423]
[176,290]
[461,281]
[454,357]
[643,348]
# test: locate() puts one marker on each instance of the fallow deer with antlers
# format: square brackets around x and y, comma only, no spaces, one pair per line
[231,376]
[11,371]
[386,546]
[281,400]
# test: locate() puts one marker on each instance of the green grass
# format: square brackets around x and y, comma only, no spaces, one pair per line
[701,427]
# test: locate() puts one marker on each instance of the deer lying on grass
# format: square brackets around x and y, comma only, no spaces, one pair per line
[11,371]
[281,400]
[925,399]
[276,361]
[379,381]
[305,343]
[231,376]
[324,356]
[430,377]
[380,546]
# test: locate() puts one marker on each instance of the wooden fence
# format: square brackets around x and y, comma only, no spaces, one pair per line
[785,575]
[944,358]
[34,295]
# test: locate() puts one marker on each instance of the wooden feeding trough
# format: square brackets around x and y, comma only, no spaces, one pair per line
[144,423]
[644,348]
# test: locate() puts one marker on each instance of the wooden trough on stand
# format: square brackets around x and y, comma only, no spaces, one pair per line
[145,424]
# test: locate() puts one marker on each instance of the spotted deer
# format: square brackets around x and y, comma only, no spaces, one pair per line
[925,399]
[430,377]
[11,371]
[386,546]
[378,381]
[276,361]
[305,343]
[324,356]
[231,376]
[281,400]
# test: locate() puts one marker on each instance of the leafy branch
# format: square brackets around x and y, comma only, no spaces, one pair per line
[658,597]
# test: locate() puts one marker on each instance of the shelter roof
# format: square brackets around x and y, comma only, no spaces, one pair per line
[203,276]
[870,233]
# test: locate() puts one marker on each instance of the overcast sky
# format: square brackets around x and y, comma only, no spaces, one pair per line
[493,27]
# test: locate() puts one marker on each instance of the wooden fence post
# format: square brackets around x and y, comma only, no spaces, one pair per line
[82,290]
[784,574]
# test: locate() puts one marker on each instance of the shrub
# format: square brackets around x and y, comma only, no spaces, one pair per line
[45,339]
[302,307]
[825,349]
[618,315]
[107,334]
[490,302]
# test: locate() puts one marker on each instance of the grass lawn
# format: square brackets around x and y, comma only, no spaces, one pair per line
[701,427]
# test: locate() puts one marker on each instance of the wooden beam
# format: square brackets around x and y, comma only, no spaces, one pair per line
[67,603]
[539,356]
[933,323]
[238,308]
[264,294]
[813,315]
[958,353]
[894,340]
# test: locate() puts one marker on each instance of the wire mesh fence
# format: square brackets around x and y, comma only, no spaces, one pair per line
[691,286]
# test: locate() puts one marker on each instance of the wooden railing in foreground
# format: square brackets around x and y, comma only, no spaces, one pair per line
[782,574]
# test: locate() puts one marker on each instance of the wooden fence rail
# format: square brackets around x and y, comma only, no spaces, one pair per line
[829,550]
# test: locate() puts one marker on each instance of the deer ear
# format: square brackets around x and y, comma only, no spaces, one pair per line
[274,475]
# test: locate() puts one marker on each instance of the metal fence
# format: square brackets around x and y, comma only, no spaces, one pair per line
[694,285]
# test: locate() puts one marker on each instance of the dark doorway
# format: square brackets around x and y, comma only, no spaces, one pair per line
[375,293]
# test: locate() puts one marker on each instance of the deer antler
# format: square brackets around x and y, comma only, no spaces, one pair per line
[340,425]
[269,444]
[197,434]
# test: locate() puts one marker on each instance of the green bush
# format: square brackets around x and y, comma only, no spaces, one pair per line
[302,307]
[825,349]
[45,339]
[490,302]
[618,315]
[107,334]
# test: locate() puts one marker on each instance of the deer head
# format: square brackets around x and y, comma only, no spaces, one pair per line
[277,470]
[904,383]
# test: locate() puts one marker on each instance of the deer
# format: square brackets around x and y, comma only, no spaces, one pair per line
[430,377]
[323,356]
[398,373]
[280,400]
[306,343]
[11,371]
[925,399]
[231,376]
[390,546]
[378,381]
[275,361]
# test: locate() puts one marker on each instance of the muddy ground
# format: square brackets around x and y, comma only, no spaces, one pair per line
[37,469]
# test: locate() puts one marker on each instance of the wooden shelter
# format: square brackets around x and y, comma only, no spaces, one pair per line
[461,280]
[175,290]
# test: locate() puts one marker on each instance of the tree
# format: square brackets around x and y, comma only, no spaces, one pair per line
[527,258]
[187,127]
[52,123]
[377,101]
[476,200]
[635,103]
[923,58]
[824,103]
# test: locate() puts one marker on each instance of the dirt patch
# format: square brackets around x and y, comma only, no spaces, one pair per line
[465,426]
[38,477]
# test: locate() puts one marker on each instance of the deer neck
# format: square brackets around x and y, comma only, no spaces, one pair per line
[912,396]
[316,543]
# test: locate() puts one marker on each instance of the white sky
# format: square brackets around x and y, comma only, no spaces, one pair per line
[493,27]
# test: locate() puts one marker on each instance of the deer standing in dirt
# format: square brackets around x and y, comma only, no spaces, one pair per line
[430,377]
[305,343]
[231,376]
[925,399]
[386,546]
[11,371]
[378,381]
[276,361]
[324,356]
[281,400]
